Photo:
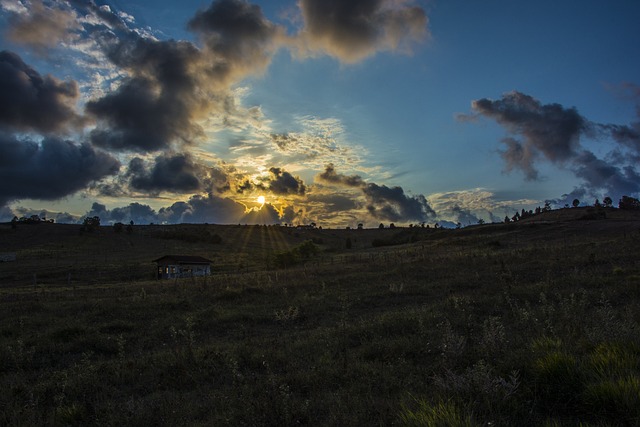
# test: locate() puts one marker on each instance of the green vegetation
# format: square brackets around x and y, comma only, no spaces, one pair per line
[528,323]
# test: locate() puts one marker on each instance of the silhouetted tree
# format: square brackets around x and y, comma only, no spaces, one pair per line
[360,226]
[629,203]
[547,207]
[608,202]
[597,204]
[507,219]
[575,203]
[392,225]
[381,226]
[91,223]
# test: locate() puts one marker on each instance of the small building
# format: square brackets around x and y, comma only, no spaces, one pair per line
[7,256]
[172,266]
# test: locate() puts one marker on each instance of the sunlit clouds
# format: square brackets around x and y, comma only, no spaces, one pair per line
[101,108]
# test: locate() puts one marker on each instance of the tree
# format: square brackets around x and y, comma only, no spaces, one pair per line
[91,223]
[575,203]
[629,203]
[597,204]
[507,219]
[547,207]
[381,226]
[392,225]
[608,202]
[360,226]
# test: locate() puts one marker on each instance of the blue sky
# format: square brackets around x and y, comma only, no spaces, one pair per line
[337,112]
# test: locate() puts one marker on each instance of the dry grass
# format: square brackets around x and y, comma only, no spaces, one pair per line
[521,324]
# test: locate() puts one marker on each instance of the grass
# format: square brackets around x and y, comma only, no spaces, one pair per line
[508,325]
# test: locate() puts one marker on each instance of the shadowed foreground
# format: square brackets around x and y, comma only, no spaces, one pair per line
[520,324]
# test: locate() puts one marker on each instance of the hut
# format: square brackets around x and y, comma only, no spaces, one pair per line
[172,266]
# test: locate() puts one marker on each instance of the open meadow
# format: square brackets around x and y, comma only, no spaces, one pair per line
[528,323]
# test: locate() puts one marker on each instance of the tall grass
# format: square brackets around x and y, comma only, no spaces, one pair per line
[532,331]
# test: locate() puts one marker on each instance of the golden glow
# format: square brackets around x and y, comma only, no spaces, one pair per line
[261,200]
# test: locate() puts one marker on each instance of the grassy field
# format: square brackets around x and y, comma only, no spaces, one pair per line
[532,323]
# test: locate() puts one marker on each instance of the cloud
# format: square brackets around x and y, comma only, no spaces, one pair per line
[614,180]
[42,27]
[331,176]
[549,130]
[158,106]
[391,203]
[239,41]
[627,135]
[205,208]
[282,182]
[136,212]
[149,101]
[334,202]
[175,173]
[354,30]
[49,170]
[382,202]
[31,102]
[268,214]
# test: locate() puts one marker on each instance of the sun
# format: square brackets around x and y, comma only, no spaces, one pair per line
[261,200]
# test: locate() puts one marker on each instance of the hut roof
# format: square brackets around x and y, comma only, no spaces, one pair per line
[183,259]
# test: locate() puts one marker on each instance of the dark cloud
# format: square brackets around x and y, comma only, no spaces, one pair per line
[176,173]
[158,105]
[246,185]
[549,130]
[205,208]
[382,202]
[21,211]
[353,30]
[464,216]
[627,135]
[31,102]
[173,85]
[282,182]
[238,38]
[614,180]
[331,176]
[136,212]
[391,203]
[334,202]
[49,170]
[519,156]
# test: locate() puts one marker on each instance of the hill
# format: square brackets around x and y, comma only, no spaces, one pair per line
[527,323]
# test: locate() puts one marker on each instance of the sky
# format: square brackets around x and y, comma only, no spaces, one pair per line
[327,111]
